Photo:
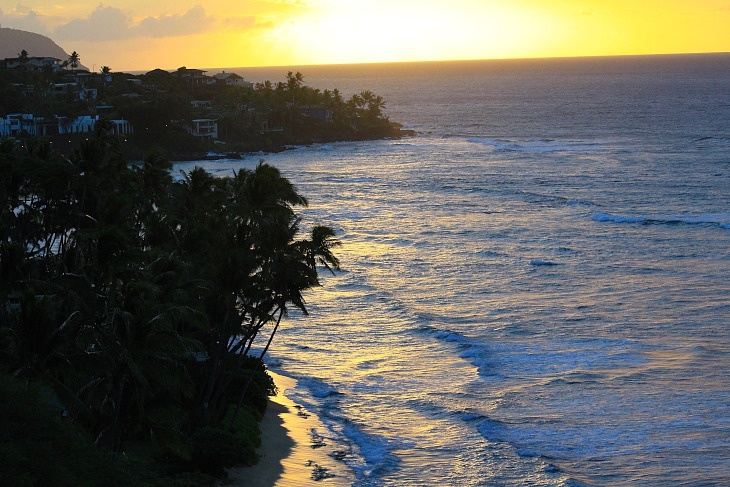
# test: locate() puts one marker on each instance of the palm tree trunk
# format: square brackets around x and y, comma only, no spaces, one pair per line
[253,371]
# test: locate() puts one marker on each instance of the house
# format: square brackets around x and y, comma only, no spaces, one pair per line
[10,126]
[317,113]
[195,77]
[79,125]
[88,94]
[204,127]
[202,104]
[18,123]
[121,127]
[64,88]
[232,79]
[33,63]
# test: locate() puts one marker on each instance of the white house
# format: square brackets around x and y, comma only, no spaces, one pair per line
[14,124]
[79,125]
[232,79]
[122,127]
[33,63]
[204,127]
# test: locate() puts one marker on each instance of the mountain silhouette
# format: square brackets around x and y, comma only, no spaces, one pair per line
[12,41]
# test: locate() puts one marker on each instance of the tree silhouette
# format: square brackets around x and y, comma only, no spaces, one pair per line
[23,57]
[74,60]
[154,289]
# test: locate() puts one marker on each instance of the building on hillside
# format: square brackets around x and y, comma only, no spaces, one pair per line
[206,128]
[79,125]
[12,125]
[88,94]
[317,113]
[208,104]
[65,88]
[18,124]
[121,127]
[33,63]
[232,79]
[195,77]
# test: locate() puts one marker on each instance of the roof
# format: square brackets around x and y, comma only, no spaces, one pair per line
[225,75]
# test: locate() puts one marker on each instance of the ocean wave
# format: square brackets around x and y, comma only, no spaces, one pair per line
[540,262]
[494,430]
[372,452]
[544,145]
[318,388]
[721,219]
[566,361]
[375,452]
[579,203]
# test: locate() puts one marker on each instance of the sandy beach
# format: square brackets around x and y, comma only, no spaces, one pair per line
[295,449]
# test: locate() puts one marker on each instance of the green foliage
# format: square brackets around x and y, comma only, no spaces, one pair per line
[133,300]
[260,388]
[215,449]
[158,106]
[39,447]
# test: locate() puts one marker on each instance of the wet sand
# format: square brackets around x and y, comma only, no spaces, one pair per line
[294,449]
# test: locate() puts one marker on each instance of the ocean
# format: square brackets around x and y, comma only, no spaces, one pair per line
[535,288]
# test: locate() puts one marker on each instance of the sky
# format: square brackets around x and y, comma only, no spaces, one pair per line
[136,35]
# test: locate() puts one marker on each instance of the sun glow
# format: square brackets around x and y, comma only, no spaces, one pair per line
[380,31]
[349,31]
[137,35]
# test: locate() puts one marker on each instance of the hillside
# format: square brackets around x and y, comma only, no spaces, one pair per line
[12,41]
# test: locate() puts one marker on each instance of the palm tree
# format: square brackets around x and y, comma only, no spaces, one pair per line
[23,57]
[74,60]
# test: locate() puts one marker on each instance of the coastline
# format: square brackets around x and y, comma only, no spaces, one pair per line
[293,452]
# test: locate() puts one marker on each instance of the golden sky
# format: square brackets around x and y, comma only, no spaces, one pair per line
[143,34]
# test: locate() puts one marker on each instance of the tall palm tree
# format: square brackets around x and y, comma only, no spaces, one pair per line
[74,60]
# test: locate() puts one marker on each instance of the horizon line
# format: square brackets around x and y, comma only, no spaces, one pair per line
[465,60]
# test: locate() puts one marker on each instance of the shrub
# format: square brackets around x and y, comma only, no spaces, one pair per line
[39,447]
[215,449]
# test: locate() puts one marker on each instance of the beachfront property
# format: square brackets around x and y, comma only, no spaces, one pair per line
[206,128]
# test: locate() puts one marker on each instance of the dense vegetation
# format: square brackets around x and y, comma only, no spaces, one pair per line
[130,307]
[161,105]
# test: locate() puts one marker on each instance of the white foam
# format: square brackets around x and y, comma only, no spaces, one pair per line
[720,219]
[375,451]
[545,145]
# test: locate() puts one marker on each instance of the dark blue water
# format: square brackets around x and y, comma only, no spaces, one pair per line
[535,288]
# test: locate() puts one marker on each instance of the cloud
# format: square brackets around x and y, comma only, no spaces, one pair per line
[242,23]
[193,21]
[103,24]
[112,23]
[24,18]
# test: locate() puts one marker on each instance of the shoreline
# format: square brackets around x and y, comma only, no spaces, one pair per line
[294,451]
[211,155]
